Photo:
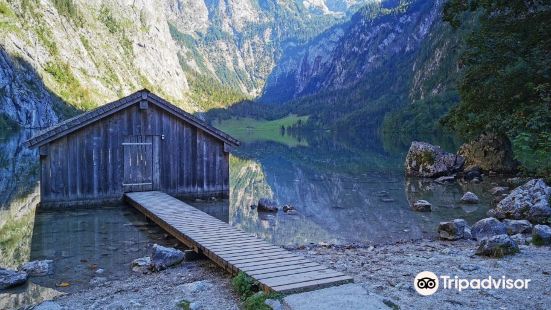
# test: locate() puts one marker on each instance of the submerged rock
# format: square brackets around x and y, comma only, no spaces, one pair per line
[38,268]
[445,179]
[163,257]
[497,246]
[267,205]
[470,197]
[488,227]
[288,208]
[518,227]
[527,202]
[541,235]
[10,278]
[489,152]
[430,161]
[499,190]
[454,230]
[422,206]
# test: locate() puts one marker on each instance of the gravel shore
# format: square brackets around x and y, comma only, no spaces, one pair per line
[387,270]
[201,283]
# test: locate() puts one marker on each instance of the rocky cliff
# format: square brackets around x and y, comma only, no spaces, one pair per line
[61,56]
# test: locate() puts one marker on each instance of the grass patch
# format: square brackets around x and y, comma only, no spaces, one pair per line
[251,130]
[243,284]
[184,304]
[44,34]
[248,289]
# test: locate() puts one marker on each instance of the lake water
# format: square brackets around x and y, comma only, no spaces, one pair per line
[343,191]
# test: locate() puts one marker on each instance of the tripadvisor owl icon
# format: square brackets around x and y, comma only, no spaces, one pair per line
[426,283]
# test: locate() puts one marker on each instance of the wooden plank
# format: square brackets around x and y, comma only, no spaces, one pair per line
[231,249]
[287,272]
[302,277]
[311,285]
[263,271]
[275,262]
[269,260]
[254,253]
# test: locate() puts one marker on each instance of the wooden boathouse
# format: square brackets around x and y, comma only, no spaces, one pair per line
[138,143]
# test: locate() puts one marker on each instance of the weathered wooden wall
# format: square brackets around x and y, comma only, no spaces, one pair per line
[87,165]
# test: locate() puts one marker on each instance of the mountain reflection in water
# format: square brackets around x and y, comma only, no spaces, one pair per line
[344,192]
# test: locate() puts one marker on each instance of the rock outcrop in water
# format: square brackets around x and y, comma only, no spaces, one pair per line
[10,278]
[163,257]
[422,206]
[527,202]
[38,268]
[489,152]
[267,205]
[430,161]
[470,198]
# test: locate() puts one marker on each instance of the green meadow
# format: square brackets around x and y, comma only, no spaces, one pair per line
[249,130]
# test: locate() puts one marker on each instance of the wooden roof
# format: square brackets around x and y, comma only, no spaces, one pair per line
[70,125]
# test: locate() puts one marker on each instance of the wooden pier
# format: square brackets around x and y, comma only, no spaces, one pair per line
[276,269]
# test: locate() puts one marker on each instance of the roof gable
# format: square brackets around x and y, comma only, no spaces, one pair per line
[72,124]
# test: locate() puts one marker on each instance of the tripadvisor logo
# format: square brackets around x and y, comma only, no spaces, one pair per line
[427,283]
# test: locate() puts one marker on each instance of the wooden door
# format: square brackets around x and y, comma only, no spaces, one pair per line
[139,163]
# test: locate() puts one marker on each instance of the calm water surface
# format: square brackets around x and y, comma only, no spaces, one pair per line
[344,192]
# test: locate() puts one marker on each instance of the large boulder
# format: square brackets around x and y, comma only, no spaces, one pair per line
[10,278]
[541,235]
[267,205]
[497,246]
[518,227]
[488,227]
[163,257]
[430,161]
[38,268]
[527,202]
[489,152]
[454,230]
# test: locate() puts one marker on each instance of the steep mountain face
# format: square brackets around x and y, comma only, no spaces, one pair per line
[199,54]
[376,38]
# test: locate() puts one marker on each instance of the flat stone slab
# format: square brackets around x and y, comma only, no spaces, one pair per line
[348,296]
